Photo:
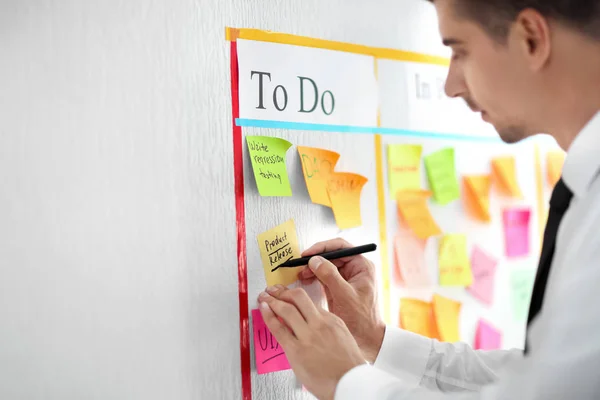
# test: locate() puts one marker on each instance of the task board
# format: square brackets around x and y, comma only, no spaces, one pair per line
[364,100]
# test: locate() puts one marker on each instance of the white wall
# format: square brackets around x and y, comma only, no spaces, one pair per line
[118,274]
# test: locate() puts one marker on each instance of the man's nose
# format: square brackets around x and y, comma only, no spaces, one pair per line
[455,82]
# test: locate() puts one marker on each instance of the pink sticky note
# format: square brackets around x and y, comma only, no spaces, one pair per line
[516,232]
[410,260]
[268,353]
[484,270]
[487,337]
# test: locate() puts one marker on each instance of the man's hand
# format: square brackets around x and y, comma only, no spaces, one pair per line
[318,345]
[351,293]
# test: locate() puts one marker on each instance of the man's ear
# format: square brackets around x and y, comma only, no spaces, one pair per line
[532,30]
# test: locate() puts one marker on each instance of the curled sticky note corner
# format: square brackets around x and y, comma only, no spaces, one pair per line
[447,313]
[504,171]
[477,196]
[317,167]
[417,316]
[414,212]
[267,155]
[345,191]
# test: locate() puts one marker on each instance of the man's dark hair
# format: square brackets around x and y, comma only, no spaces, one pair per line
[495,16]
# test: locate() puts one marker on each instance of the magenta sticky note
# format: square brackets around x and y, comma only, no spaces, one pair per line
[268,353]
[487,337]
[516,232]
[483,267]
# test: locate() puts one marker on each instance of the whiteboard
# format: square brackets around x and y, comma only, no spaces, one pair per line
[406,117]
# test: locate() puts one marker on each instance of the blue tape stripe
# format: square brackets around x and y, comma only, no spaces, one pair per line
[257,123]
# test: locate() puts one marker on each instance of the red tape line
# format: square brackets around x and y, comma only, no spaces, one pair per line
[240,217]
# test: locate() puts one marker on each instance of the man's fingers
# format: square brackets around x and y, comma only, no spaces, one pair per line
[329,276]
[297,297]
[278,329]
[328,245]
[288,312]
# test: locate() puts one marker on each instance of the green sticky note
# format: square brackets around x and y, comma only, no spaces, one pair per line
[521,286]
[441,173]
[404,162]
[268,162]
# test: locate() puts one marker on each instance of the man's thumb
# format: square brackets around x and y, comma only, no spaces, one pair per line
[328,275]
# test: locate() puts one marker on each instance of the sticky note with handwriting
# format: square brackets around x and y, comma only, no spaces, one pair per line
[441,173]
[404,167]
[504,172]
[477,196]
[276,246]
[483,267]
[267,155]
[516,232]
[409,252]
[521,282]
[317,166]
[417,316]
[414,211]
[344,191]
[447,312]
[453,260]
[554,165]
[268,353]
[487,337]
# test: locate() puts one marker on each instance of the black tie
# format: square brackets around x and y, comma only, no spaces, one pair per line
[559,203]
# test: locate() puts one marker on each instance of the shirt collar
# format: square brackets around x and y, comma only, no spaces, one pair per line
[583,158]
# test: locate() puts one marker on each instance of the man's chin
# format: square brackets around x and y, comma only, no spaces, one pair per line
[511,134]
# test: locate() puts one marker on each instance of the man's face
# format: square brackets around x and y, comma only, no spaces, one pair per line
[488,75]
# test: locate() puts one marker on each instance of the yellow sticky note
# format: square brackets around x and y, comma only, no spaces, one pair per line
[276,246]
[441,173]
[477,196]
[417,316]
[554,165]
[413,209]
[446,313]
[404,162]
[317,166]
[453,260]
[344,191]
[505,176]
[267,155]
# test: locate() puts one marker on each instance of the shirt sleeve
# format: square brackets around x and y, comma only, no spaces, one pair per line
[563,363]
[419,361]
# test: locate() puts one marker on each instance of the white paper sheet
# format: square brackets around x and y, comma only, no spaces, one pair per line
[347,78]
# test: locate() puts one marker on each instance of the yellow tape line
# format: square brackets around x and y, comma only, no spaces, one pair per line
[385,266]
[232,34]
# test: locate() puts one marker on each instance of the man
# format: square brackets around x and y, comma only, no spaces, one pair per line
[527,66]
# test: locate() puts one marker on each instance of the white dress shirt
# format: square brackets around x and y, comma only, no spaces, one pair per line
[564,339]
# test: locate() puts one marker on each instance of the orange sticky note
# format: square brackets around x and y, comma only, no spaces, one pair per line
[410,266]
[446,312]
[477,196]
[344,191]
[417,316]
[413,209]
[317,166]
[505,176]
[554,165]
[453,260]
